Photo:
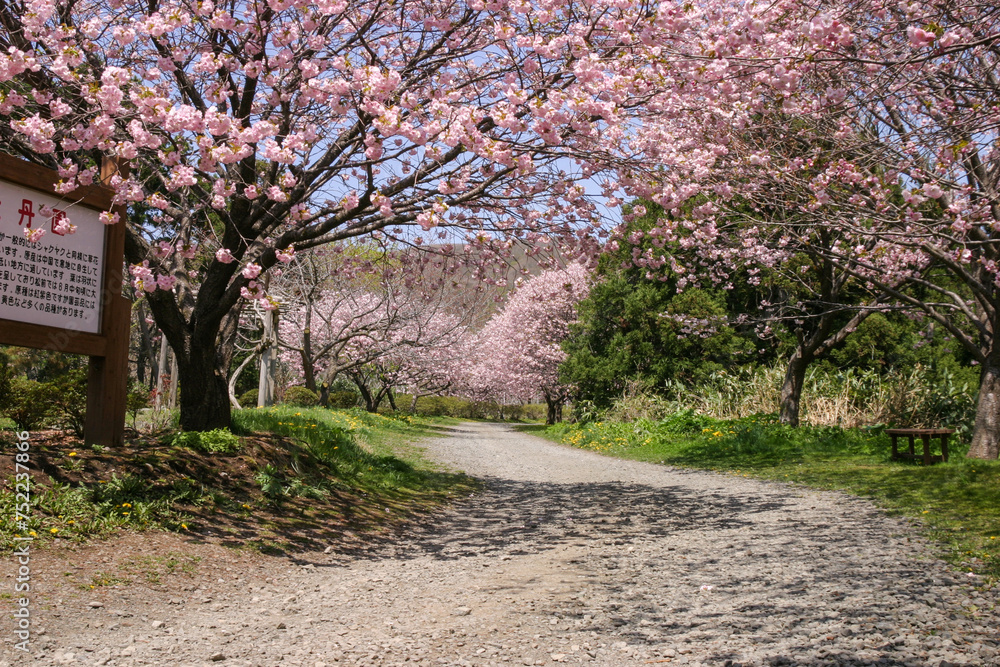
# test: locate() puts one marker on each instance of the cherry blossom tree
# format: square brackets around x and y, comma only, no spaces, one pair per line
[258,129]
[793,295]
[872,122]
[376,319]
[517,354]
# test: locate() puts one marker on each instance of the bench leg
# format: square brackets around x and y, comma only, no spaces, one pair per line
[927,449]
[895,451]
[913,454]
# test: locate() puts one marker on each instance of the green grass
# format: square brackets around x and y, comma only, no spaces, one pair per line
[366,450]
[347,466]
[958,502]
[61,511]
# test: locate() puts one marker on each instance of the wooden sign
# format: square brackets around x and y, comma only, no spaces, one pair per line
[54,280]
[63,291]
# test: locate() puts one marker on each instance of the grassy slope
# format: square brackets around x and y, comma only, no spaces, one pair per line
[300,479]
[958,503]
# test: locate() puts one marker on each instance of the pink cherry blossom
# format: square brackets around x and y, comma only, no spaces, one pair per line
[920,37]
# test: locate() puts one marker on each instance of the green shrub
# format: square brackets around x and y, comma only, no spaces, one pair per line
[69,400]
[528,412]
[342,400]
[6,376]
[136,400]
[443,406]
[301,396]
[219,441]
[248,399]
[28,403]
[272,482]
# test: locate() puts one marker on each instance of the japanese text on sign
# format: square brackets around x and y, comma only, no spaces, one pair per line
[51,273]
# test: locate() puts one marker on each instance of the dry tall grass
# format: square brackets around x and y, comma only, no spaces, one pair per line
[849,399]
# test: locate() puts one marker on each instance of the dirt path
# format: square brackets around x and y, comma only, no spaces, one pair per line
[565,557]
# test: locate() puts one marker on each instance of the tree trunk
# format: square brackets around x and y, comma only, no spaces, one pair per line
[146,345]
[791,388]
[370,405]
[552,405]
[175,383]
[202,336]
[392,400]
[205,398]
[377,399]
[161,367]
[324,394]
[986,432]
[308,370]
[268,360]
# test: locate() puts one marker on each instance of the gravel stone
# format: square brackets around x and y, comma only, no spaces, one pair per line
[568,557]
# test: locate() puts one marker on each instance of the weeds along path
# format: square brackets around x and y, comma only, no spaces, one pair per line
[566,557]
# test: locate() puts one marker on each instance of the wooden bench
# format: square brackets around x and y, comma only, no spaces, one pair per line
[925,434]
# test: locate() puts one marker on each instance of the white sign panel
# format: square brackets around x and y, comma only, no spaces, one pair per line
[55,280]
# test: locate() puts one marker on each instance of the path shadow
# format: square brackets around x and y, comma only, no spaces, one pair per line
[818,551]
[515,517]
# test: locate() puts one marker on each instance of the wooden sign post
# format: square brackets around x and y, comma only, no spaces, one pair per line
[63,292]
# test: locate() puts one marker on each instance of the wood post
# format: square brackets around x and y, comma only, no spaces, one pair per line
[107,380]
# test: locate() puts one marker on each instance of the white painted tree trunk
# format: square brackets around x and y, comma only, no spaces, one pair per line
[161,370]
[268,360]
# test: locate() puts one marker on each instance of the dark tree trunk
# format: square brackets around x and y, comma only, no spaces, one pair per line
[392,400]
[816,346]
[366,395]
[554,411]
[791,388]
[201,329]
[204,390]
[324,394]
[377,399]
[146,348]
[986,433]
[307,361]
[140,365]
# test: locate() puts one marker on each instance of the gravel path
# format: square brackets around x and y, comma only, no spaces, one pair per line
[570,557]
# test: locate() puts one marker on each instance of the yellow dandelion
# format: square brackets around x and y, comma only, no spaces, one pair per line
[54,531]
[72,453]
